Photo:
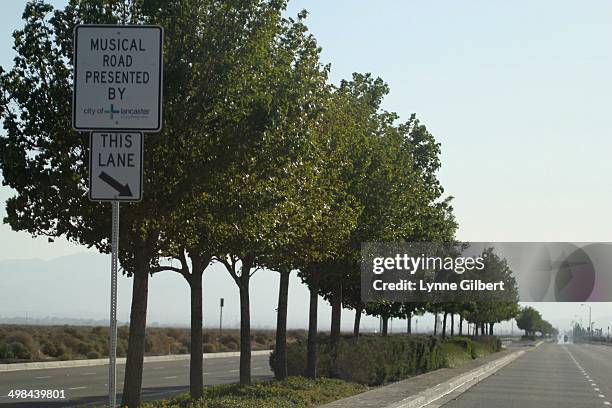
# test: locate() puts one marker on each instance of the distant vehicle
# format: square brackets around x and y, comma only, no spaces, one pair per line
[565,338]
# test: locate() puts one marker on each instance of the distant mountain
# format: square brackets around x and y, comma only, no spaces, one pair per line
[76,288]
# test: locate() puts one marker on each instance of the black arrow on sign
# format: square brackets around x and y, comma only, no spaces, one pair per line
[124,190]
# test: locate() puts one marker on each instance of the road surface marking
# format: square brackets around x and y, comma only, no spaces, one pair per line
[158,368]
[77,388]
[42,378]
[606,403]
[602,396]
[596,389]
[258,368]
[88,374]
[169,378]
[233,371]
[206,373]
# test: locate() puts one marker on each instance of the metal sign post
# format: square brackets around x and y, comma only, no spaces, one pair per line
[117,94]
[112,368]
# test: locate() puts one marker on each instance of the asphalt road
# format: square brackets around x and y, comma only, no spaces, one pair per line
[86,386]
[553,375]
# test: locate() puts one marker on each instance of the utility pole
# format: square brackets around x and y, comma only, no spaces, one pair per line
[221,301]
[590,328]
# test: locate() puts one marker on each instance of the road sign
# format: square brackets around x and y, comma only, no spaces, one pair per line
[115,166]
[118,77]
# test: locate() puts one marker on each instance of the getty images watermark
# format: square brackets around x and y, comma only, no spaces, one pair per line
[485,271]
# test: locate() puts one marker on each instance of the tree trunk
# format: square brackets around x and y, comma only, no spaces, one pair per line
[491,329]
[196,362]
[452,325]
[311,359]
[435,324]
[461,325]
[280,371]
[444,324]
[136,343]
[245,331]
[385,325]
[358,311]
[475,331]
[336,318]
[409,323]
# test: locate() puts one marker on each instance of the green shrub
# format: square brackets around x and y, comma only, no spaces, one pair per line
[6,352]
[371,360]
[376,360]
[227,338]
[93,355]
[209,348]
[455,355]
[20,351]
[294,392]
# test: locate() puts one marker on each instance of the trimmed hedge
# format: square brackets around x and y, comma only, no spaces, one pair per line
[376,360]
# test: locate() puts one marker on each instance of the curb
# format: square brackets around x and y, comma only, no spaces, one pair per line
[104,361]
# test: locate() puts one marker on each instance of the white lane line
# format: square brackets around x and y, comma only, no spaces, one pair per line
[233,371]
[158,368]
[42,378]
[77,388]
[595,389]
[206,373]
[606,403]
[171,377]
[258,368]
[88,374]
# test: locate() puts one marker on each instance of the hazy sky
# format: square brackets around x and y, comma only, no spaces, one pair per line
[518,93]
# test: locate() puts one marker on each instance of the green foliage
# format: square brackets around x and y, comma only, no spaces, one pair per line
[294,392]
[531,321]
[376,360]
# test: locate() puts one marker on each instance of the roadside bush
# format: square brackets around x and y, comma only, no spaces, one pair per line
[52,349]
[457,351]
[20,351]
[376,360]
[209,348]
[77,342]
[492,344]
[293,392]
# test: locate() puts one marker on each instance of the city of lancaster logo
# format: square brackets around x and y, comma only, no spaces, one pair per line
[112,111]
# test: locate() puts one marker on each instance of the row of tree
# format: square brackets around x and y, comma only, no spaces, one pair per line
[532,322]
[261,163]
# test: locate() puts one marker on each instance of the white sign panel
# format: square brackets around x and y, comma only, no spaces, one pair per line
[118,77]
[115,166]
